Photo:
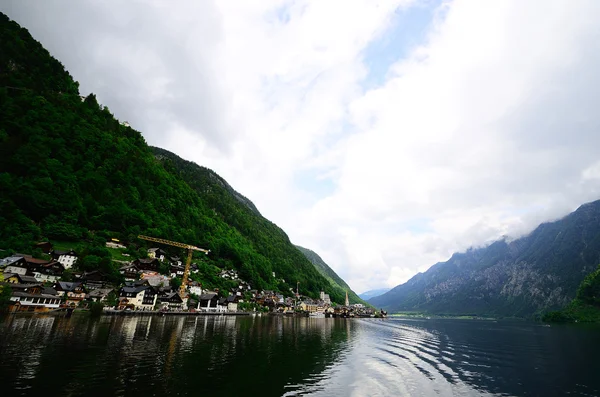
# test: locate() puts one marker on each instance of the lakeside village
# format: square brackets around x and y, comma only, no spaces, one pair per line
[37,286]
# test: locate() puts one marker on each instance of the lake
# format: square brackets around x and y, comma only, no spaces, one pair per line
[276,356]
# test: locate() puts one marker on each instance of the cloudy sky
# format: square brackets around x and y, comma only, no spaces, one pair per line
[384,135]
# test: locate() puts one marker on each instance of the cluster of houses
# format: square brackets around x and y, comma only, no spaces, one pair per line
[37,286]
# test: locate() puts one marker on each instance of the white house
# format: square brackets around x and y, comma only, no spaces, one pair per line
[66,258]
[139,296]
[195,289]
[16,270]
[157,253]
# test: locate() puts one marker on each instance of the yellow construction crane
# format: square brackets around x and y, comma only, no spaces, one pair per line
[188,247]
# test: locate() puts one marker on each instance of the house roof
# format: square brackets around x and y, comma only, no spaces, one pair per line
[49,291]
[170,296]
[93,275]
[22,279]
[134,289]
[100,292]
[129,266]
[59,253]
[10,260]
[148,260]
[209,296]
[53,264]
[68,285]
[31,259]
[27,295]
[17,286]
[27,279]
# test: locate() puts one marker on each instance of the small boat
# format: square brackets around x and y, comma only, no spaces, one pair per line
[317,315]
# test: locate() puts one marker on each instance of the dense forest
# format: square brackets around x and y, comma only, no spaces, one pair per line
[586,305]
[71,173]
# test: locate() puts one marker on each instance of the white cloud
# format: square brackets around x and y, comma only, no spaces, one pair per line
[486,129]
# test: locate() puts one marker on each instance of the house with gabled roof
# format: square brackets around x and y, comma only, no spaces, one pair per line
[209,301]
[157,253]
[72,292]
[177,270]
[94,279]
[130,272]
[149,264]
[13,264]
[171,301]
[32,298]
[45,246]
[137,295]
[16,278]
[195,288]
[67,258]
[98,294]
[50,272]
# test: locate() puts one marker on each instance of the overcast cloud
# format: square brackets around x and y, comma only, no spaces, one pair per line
[383,135]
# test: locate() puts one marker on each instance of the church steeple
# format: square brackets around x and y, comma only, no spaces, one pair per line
[347,303]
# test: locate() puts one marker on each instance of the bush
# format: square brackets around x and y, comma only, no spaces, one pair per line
[96,309]
[557,317]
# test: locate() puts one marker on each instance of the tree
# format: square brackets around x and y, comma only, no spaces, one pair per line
[67,275]
[112,299]
[175,283]
[96,308]
[589,289]
[5,294]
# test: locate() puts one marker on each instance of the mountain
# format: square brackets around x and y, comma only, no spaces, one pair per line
[521,278]
[71,172]
[373,293]
[336,281]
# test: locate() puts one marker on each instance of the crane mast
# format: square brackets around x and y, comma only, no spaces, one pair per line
[190,248]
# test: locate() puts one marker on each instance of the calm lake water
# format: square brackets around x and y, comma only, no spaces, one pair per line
[275,356]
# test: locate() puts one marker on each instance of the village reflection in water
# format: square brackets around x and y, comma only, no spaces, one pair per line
[137,355]
[287,356]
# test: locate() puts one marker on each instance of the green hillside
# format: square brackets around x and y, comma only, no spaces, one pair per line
[69,171]
[327,272]
[585,307]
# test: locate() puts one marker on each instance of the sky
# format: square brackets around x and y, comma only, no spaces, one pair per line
[384,135]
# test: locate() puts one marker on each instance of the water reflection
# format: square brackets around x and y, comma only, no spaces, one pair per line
[445,357]
[166,355]
[274,356]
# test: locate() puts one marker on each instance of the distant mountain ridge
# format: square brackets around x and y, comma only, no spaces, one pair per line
[373,293]
[522,278]
[327,272]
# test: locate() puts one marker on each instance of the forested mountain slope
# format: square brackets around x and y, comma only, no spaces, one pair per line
[522,278]
[327,272]
[70,171]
